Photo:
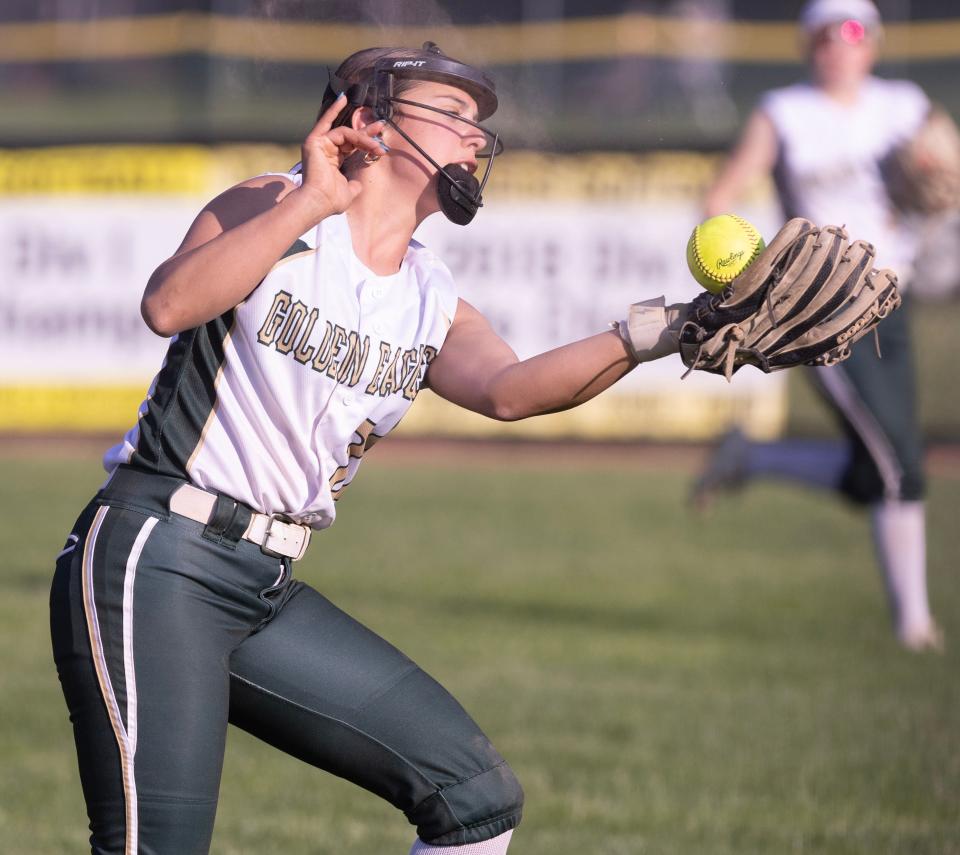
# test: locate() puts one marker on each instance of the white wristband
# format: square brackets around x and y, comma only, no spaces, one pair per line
[652,329]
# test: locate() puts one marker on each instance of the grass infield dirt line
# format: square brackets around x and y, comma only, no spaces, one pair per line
[942,460]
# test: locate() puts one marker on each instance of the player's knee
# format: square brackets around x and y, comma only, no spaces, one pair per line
[864,485]
[470,811]
[912,485]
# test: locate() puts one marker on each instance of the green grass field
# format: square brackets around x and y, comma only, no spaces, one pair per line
[661,683]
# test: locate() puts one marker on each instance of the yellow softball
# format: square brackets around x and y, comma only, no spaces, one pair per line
[721,248]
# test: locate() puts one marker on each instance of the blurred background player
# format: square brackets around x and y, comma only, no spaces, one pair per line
[824,142]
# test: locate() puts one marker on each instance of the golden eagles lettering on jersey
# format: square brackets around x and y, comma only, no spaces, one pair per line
[342,354]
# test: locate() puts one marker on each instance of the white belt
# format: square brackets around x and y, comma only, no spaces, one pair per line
[272,535]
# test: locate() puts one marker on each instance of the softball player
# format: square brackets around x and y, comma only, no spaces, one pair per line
[824,142]
[304,320]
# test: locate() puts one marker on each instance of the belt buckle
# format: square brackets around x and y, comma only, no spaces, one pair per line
[275,542]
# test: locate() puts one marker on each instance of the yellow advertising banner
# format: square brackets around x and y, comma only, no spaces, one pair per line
[70,409]
[563,245]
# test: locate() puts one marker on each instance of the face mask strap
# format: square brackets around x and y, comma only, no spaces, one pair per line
[356,95]
[382,101]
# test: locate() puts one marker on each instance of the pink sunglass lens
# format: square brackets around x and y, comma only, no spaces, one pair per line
[852,32]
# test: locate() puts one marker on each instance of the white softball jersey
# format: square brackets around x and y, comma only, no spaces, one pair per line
[828,169]
[275,402]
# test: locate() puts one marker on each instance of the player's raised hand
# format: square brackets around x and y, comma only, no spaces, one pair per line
[323,152]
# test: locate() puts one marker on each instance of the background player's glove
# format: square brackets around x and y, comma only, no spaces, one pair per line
[923,174]
[805,300]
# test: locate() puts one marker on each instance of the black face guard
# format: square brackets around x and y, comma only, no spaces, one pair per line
[460,194]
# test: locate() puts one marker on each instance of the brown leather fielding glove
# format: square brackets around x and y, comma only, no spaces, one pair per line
[805,300]
[923,174]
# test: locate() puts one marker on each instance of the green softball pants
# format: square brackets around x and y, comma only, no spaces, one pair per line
[875,401]
[165,630]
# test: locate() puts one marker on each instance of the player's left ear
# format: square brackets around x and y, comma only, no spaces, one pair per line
[362,117]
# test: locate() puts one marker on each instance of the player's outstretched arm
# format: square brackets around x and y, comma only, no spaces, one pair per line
[239,236]
[477,370]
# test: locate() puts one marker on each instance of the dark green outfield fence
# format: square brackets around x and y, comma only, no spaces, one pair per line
[574,74]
